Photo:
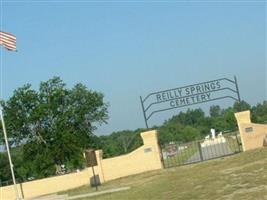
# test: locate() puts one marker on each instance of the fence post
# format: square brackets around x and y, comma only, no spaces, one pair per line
[21,190]
[237,141]
[200,151]
[161,147]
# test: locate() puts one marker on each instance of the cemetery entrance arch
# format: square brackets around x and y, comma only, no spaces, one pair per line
[164,100]
[175,153]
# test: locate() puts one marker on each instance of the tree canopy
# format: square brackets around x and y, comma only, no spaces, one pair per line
[55,124]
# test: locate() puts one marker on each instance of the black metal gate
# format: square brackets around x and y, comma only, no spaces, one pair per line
[176,153]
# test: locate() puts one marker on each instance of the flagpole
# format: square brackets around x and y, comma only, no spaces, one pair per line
[9,42]
[8,153]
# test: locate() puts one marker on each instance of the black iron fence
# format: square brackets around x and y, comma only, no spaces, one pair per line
[176,153]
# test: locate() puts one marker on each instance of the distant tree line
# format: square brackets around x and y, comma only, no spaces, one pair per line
[54,125]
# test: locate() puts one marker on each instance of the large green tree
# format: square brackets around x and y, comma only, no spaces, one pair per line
[259,112]
[4,169]
[54,124]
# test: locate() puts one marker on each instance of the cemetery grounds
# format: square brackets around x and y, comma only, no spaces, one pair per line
[238,177]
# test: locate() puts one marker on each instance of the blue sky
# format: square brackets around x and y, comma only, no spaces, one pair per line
[130,49]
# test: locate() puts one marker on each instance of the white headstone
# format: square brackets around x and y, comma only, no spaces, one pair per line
[213,134]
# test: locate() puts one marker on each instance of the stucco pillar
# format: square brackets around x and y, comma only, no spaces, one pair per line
[99,158]
[252,135]
[150,140]
[242,118]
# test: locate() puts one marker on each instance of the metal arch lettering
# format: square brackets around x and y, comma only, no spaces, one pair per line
[191,94]
[156,111]
[150,94]
[154,103]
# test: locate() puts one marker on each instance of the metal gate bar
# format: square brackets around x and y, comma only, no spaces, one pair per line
[176,153]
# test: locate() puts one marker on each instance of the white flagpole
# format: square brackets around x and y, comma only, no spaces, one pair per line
[8,153]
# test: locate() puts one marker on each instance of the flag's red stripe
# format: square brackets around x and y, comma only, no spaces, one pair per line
[7,35]
[10,45]
[7,41]
[7,38]
[10,48]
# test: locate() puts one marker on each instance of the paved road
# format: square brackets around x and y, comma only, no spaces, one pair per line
[209,152]
[66,197]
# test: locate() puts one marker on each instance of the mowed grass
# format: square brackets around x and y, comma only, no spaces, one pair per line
[239,177]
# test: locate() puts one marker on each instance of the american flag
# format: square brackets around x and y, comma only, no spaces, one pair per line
[8,41]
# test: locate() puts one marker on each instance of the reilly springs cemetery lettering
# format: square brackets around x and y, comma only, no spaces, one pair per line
[189,95]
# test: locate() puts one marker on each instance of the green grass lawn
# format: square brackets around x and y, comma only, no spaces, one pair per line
[239,177]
